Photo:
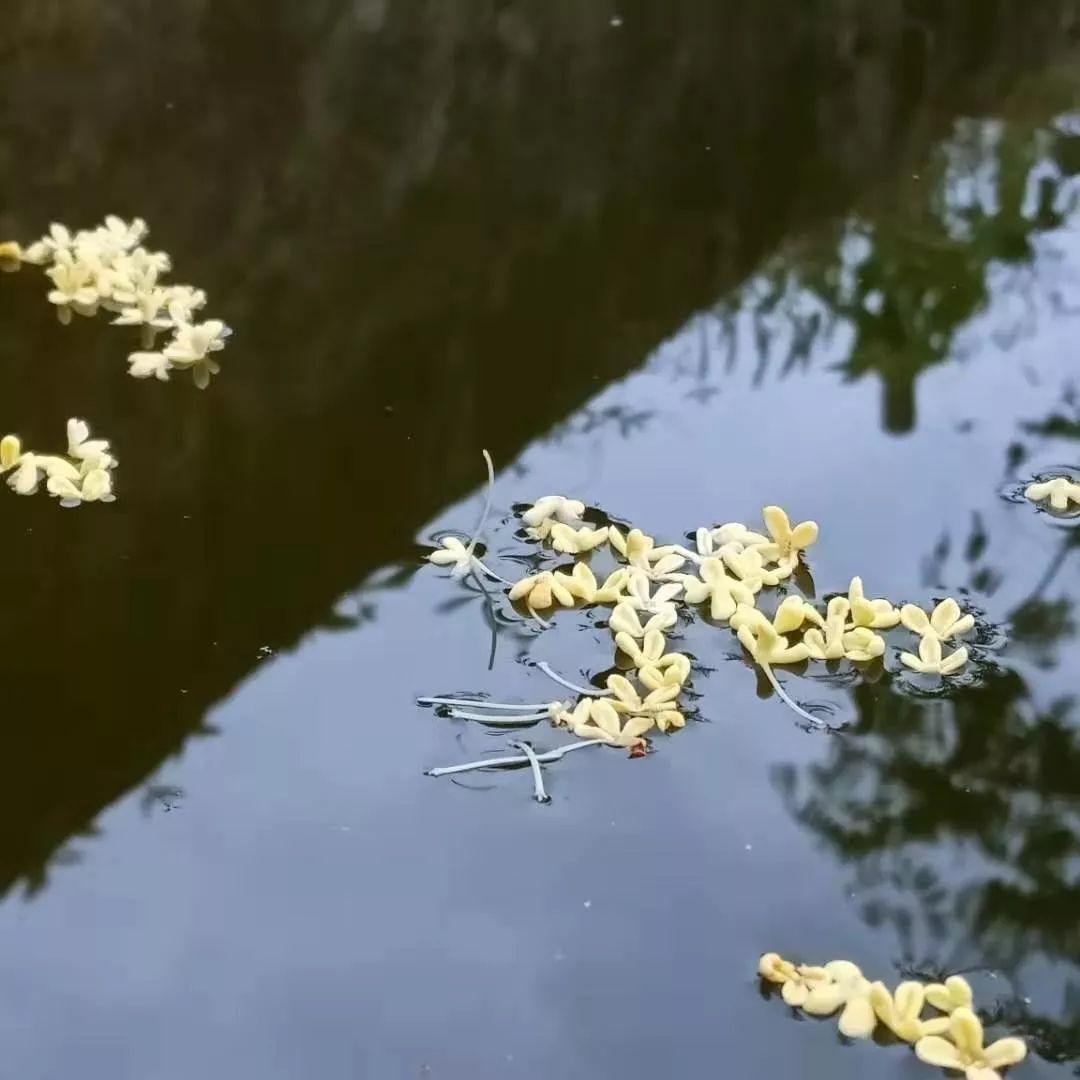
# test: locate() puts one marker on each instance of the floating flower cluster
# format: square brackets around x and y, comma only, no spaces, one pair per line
[952,1039]
[1059,491]
[84,474]
[107,268]
[726,573]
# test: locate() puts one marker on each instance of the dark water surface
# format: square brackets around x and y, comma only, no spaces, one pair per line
[680,260]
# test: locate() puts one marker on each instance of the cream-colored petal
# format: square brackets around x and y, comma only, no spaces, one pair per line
[628,645]
[561,593]
[604,716]
[623,689]
[961,626]
[934,1050]
[653,646]
[909,999]
[954,661]
[1005,1052]
[915,619]
[624,619]
[944,615]
[795,994]
[930,651]
[966,1031]
[858,1019]
[824,999]
[519,590]
[789,615]
[778,524]
[804,535]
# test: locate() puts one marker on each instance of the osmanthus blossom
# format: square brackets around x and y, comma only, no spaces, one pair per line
[641,552]
[827,642]
[106,267]
[462,558]
[83,476]
[766,646]
[597,718]
[931,660]
[639,592]
[192,345]
[571,541]
[954,993]
[787,541]
[72,289]
[581,583]
[625,619]
[652,662]
[847,990]
[540,592]
[659,703]
[1059,491]
[964,1050]
[793,613]
[944,622]
[796,981]
[733,532]
[724,593]
[549,511]
[875,614]
[901,1012]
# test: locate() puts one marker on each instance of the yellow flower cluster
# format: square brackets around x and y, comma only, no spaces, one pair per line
[952,1039]
[83,475]
[107,268]
[726,573]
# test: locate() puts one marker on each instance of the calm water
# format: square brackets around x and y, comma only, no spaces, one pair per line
[680,260]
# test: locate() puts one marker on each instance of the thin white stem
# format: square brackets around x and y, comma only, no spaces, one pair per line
[487,504]
[539,791]
[499,721]
[500,762]
[483,703]
[478,565]
[538,617]
[588,691]
[782,694]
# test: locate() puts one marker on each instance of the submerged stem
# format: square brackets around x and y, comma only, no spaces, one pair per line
[588,691]
[496,763]
[539,791]
[783,695]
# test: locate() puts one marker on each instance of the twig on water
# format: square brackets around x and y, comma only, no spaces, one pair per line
[539,791]
[503,762]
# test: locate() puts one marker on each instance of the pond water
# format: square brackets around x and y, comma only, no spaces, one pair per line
[677,260]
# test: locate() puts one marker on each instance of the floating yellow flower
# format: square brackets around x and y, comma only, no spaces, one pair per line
[862,645]
[581,582]
[876,614]
[624,619]
[795,981]
[844,988]
[787,541]
[72,287]
[192,345]
[639,592]
[571,541]
[944,622]
[931,660]
[827,643]
[763,641]
[541,591]
[659,703]
[966,1051]
[549,511]
[724,593]
[1059,491]
[793,613]
[641,552]
[649,657]
[597,718]
[748,566]
[901,1012]
[953,994]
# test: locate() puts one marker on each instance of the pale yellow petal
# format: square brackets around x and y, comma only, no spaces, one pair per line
[915,619]
[934,1050]
[1006,1052]
[944,615]
[858,1020]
